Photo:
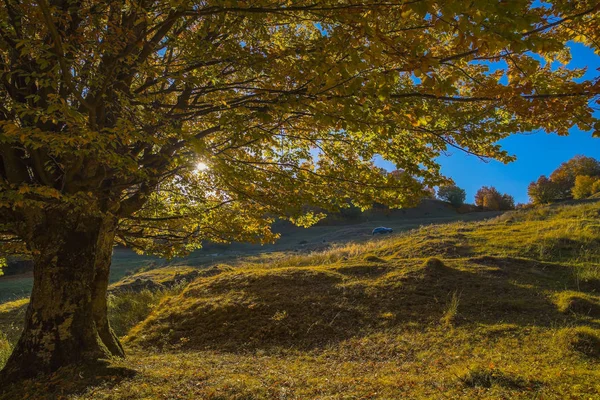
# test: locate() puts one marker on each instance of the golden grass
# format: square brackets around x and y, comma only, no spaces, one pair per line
[5,348]
[11,318]
[451,312]
[581,339]
[433,363]
[158,275]
[582,304]
[370,320]
[128,309]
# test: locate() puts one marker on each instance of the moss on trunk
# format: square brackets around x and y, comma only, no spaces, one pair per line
[66,321]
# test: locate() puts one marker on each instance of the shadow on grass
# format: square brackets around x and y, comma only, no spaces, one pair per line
[310,308]
[67,381]
[486,378]
[547,275]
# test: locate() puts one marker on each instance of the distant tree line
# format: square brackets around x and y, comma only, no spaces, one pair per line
[577,178]
[487,198]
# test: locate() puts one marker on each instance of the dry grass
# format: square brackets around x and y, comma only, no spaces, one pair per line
[582,339]
[5,349]
[419,364]
[370,320]
[128,309]
[11,318]
[451,312]
[582,304]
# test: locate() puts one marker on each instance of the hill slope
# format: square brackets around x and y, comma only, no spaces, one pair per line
[506,308]
[336,229]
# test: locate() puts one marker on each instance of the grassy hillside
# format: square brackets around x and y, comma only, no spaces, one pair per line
[293,238]
[507,308]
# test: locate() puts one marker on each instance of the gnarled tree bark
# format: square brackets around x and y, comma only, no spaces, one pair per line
[66,321]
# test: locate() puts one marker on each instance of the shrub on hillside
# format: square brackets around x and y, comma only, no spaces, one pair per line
[507,202]
[564,176]
[491,199]
[452,194]
[543,190]
[585,186]
[524,206]
[128,309]
[467,208]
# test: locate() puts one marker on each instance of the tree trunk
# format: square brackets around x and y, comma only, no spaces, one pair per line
[66,321]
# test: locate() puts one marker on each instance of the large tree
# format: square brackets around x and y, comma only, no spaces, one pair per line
[490,198]
[452,194]
[161,124]
[543,190]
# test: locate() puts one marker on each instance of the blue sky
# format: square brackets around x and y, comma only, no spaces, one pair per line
[537,153]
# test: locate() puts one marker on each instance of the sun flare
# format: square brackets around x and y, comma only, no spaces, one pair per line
[201,167]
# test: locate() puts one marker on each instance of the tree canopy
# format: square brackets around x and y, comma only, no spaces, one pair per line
[585,186]
[490,198]
[111,105]
[543,190]
[563,181]
[565,175]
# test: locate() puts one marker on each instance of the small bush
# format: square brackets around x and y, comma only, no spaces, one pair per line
[128,309]
[451,311]
[524,206]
